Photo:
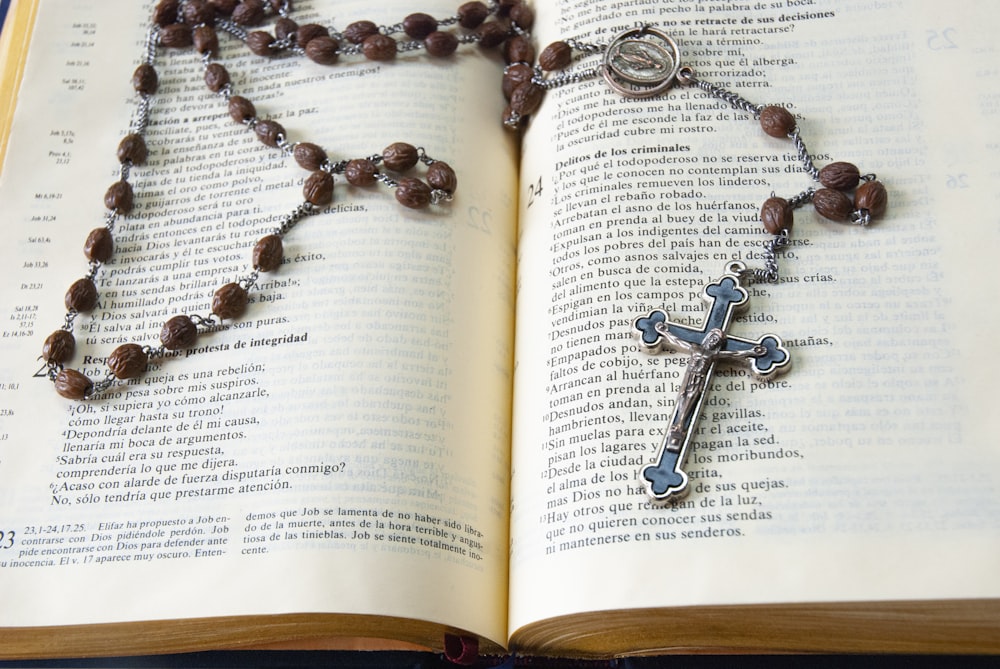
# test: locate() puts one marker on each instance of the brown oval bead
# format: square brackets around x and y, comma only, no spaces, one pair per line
[198,12]
[178,332]
[58,347]
[360,172]
[518,49]
[216,77]
[259,42]
[776,215]
[526,98]
[555,56]
[442,177]
[514,76]
[241,110]
[73,385]
[872,196]
[441,43]
[205,40]
[100,245]
[309,156]
[523,16]
[132,149]
[248,13]
[413,193]
[128,361]
[379,47]
[491,34]
[269,132]
[119,196]
[323,50]
[359,31]
[832,204]
[472,14]
[145,79]
[285,28]
[165,12]
[400,156]
[268,253]
[82,295]
[777,121]
[419,25]
[309,32]
[176,36]
[840,175]
[318,188]
[224,7]
[230,301]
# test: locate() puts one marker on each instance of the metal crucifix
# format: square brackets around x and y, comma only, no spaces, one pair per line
[707,345]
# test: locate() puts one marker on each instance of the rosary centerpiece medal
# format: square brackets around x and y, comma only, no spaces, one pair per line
[641,62]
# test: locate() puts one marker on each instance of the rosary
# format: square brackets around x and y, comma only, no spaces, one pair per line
[180,24]
[643,62]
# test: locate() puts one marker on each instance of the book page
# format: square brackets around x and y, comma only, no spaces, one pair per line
[340,448]
[869,470]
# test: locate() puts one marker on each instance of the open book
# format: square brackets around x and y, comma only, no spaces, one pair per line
[432,422]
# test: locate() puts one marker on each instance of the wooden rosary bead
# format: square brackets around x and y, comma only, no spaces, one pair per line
[840,175]
[504,6]
[323,50]
[205,40]
[100,245]
[260,42]
[269,132]
[285,28]
[776,215]
[359,31]
[176,36]
[128,361]
[442,177]
[555,56]
[526,98]
[413,193]
[441,43]
[145,80]
[178,332]
[132,149]
[318,188]
[198,12]
[379,47]
[224,7]
[268,253]
[360,172]
[523,16]
[230,301]
[472,14]
[871,196]
[419,25]
[119,197]
[518,49]
[309,156]
[514,76]
[73,385]
[491,34]
[216,77]
[82,295]
[241,110]
[249,13]
[777,121]
[832,204]
[400,156]
[58,347]
[165,12]
[309,32]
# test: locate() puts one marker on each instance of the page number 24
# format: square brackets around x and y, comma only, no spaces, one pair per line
[534,190]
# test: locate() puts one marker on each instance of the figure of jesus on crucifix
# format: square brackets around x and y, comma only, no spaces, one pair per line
[705,347]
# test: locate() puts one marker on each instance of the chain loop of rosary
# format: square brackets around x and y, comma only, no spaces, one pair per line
[643,62]
[179,24]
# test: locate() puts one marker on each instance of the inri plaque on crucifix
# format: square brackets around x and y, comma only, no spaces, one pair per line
[705,346]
